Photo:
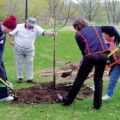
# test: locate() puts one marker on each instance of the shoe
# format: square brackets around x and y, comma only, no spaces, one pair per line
[60,97]
[7,99]
[65,101]
[106,97]
[31,81]
[93,88]
[20,80]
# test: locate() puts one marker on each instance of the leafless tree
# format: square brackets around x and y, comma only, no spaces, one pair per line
[11,6]
[59,11]
[2,14]
[113,11]
[90,8]
[16,7]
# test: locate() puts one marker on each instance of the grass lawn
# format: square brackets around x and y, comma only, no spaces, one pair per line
[66,50]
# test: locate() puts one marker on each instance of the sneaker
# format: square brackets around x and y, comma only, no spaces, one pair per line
[31,81]
[63,100]
[20,80]
[60,97]
[7,99]
[93,88]
[106,97]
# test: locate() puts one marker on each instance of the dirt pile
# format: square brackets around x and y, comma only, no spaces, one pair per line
[46,94]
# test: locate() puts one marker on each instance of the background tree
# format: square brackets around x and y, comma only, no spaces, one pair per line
[113,11]
[90,8]
[16,7]
[3,10]
[59,13]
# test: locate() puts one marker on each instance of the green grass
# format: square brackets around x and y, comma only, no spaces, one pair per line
[66,50]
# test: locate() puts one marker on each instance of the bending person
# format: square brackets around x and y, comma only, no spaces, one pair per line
[5,27]
[94,50]
[114,72]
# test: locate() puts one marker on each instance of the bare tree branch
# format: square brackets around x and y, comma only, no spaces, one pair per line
[57,10]
[90,8]
[113,9]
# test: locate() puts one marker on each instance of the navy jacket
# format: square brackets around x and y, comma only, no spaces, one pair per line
[2,43]
[90,39]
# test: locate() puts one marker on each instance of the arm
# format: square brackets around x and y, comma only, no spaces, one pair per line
[10,39]
[43,32]
[80,44]
[111,31]
[11,34]
[49,33]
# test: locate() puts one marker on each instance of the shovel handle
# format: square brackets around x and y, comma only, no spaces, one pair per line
[4,82]
[1,80]
[115,50]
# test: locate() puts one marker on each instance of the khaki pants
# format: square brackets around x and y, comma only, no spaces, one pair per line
[24,56]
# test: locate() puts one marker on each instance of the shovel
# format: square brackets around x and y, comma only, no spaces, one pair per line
[14,93]
[68,73]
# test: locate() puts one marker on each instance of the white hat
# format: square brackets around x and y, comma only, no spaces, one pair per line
[31,21]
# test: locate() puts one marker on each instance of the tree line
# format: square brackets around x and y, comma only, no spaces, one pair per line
[107,11]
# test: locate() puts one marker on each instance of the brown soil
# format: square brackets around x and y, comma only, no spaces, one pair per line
[45,93]
[69,70]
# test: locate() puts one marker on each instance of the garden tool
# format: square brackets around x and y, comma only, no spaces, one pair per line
[13,91]
[68,73]
[108,66]
[115,50]
[114,63]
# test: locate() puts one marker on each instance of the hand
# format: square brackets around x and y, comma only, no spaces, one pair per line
[119,45]
[11,43]
[117,54]
[54,33]
[10,85]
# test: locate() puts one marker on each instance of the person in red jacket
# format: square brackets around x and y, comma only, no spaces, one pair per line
[114,71]
[5,27]
[94,50]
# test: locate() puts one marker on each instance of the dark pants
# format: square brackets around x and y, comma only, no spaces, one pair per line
[3,90]
[99,62]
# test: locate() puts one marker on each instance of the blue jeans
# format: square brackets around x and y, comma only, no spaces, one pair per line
[114,77]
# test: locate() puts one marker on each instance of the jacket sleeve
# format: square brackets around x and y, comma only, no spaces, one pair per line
[80,43]
[111,31]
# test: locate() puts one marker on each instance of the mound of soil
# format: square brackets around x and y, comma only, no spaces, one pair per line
[45,93]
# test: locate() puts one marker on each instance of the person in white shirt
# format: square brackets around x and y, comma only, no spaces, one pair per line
[24,49]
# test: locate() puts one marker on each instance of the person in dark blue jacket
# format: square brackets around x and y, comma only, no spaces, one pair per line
[94,50]
[5,27]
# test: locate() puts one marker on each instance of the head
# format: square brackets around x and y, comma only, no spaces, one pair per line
[30,23]
[9,24]
[108,37]
[80,23]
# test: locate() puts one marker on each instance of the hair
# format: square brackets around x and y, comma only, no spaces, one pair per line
[80,23]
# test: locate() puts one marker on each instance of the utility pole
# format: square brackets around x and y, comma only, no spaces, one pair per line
[26,9]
